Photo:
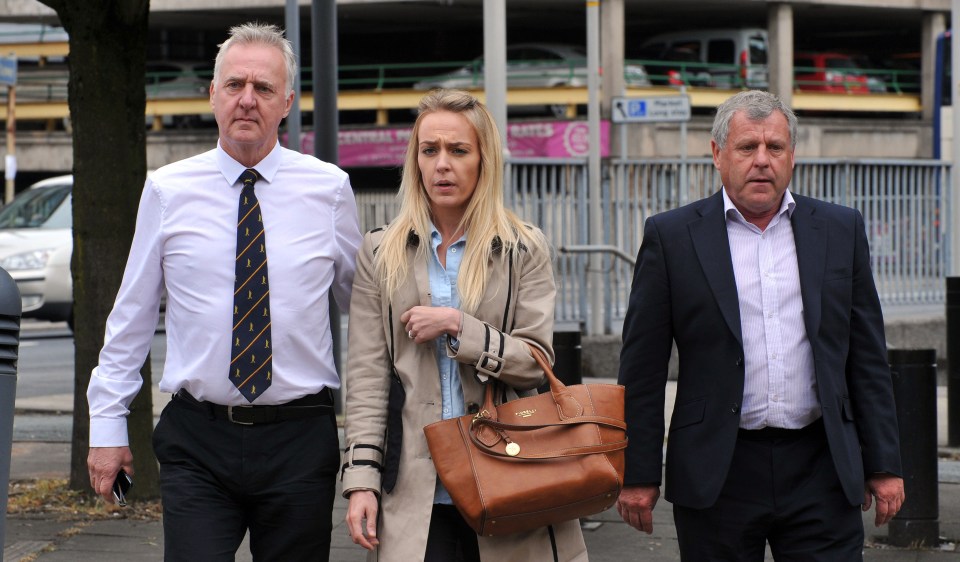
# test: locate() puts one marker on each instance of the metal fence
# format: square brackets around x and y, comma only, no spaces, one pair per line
[904,204]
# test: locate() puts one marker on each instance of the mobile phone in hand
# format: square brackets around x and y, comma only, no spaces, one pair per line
[121,486]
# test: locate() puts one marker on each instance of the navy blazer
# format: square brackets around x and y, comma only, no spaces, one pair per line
[684,290]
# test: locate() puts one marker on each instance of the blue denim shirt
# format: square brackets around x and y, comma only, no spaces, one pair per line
[443,292]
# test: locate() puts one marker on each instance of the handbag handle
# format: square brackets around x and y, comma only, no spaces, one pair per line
[596,420]
[567,405]
[568,408]
[570,452]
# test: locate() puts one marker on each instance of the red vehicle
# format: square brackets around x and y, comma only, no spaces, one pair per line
[829,72]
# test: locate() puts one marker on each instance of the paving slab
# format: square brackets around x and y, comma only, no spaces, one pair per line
[608,539]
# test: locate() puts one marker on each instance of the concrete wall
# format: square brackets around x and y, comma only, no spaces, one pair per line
[817,138]
[601,354]
[39,151]
[26,7]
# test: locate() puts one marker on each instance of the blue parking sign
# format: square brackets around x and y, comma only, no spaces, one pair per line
[8,71]
[650,109]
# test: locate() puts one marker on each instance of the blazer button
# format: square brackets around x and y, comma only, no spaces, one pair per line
[473,408]
[735,408]
[739,361]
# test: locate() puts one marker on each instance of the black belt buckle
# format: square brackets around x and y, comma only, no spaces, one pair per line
[230,417]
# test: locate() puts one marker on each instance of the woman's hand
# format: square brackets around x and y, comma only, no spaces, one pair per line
[427,323]
[363,506]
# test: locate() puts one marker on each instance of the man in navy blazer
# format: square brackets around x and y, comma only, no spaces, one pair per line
[784,423]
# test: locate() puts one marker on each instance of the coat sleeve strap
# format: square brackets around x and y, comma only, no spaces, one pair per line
[491,359]
[358,454]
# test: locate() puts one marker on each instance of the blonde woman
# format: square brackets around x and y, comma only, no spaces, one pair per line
[447,296]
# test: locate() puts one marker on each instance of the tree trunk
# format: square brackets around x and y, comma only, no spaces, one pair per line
[107,103]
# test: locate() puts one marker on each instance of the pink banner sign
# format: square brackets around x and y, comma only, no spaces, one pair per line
[555,139]
[361,148]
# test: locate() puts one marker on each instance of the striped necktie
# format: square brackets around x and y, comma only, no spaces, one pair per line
[251,358]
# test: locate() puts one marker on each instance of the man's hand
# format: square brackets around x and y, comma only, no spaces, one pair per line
[103,464]
[363,506]
[636,504]
[888,489]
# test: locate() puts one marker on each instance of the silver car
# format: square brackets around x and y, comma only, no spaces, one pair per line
[36,242]
[533,65]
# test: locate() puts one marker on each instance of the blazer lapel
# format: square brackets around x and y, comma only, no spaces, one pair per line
[709,235]
[810,237]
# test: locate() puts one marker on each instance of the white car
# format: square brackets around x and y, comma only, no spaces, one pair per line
[36,242]
[534,65]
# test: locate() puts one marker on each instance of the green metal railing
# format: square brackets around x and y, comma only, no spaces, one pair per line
[41,85]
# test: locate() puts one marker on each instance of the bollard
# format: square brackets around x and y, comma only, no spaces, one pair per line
[914,373]
[953,361]
[10,308]
[568,365]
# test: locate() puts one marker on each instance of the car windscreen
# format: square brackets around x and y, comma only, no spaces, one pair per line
[37,208]
[758,50]
[721,51]
[842,63]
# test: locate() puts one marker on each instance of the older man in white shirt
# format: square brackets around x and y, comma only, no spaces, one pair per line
[249,441]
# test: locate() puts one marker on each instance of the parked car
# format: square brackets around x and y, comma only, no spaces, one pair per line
[829,72]
[36,242]
[898,73]
[674,65]
[173,80]
[733,57]
[533,65]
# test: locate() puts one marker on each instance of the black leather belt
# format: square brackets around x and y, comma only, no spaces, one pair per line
[315,405]
[780,432]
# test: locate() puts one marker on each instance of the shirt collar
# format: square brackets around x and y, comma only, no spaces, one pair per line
[436,239]
[730,210]
[231,169]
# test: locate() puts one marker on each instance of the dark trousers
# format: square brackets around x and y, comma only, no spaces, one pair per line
[450,538]
[781,489]
[219,479]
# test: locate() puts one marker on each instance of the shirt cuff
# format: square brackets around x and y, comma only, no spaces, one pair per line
[108,432]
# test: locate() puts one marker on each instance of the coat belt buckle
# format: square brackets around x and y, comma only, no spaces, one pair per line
[230,415]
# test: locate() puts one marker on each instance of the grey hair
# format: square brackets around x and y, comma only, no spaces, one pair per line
[256,33]
[757,105]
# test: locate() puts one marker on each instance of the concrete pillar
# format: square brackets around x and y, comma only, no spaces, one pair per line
[495,63]
[611,52]
[780,57]
[934,24]
[612,42]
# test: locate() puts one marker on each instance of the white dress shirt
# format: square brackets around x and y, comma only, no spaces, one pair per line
[185,242]
[780,385]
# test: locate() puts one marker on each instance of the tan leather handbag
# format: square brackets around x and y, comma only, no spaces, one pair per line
[533,461]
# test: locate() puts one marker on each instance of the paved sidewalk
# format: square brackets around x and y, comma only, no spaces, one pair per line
[608,538]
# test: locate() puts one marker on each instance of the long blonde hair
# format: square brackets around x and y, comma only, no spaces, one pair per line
[485,220]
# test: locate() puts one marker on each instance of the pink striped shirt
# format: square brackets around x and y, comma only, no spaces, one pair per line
[780,386]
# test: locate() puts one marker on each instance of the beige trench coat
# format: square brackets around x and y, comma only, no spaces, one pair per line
[520,302]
